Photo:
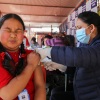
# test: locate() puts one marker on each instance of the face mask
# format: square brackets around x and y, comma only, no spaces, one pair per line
[82,36]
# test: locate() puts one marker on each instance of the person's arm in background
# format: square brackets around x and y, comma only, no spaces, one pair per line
[39,41]
[18,83]
[40,86]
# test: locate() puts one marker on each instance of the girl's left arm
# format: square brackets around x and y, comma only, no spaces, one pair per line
[39,84]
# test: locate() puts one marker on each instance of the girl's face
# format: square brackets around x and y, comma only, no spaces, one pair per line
[11,34]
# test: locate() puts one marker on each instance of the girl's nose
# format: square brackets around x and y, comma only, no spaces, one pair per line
[13,34]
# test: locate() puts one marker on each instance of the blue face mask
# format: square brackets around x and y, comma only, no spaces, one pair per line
[82,36]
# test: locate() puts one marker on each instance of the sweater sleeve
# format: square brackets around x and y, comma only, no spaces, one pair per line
[76,56]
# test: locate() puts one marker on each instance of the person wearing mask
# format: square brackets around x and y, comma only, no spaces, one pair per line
[20,74]
[85,57]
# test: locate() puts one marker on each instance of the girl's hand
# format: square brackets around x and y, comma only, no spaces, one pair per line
[33,59]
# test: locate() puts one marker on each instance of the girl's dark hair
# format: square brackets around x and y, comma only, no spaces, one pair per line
[10,15]
[8,62]
[90,18]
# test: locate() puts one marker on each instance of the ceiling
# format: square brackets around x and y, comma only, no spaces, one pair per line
[39,13]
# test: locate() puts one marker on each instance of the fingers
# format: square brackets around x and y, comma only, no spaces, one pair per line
[50,67]
[37,53]
[40,57]
[33,58]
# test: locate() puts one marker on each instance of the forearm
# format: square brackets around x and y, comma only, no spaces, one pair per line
[40,93]
[16,85]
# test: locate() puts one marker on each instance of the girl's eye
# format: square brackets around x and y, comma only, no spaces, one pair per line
[18,31]
[7,31]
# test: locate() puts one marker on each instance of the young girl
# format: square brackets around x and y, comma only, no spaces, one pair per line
[21,77]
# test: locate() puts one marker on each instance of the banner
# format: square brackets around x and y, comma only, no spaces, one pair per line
[69,25]
[87,5]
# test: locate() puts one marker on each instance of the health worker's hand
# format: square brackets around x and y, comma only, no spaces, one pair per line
[53,66]
[46,52]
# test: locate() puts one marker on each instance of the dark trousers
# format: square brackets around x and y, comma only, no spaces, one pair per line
[60,94]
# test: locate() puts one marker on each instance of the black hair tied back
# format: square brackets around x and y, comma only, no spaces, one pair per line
[8,63]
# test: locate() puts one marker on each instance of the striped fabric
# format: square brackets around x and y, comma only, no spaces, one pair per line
[55,42]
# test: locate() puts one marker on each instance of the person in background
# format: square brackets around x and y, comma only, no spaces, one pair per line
[44,44]
[55,41]
[86,58]
[33,43]
[61,39]
[20,73]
